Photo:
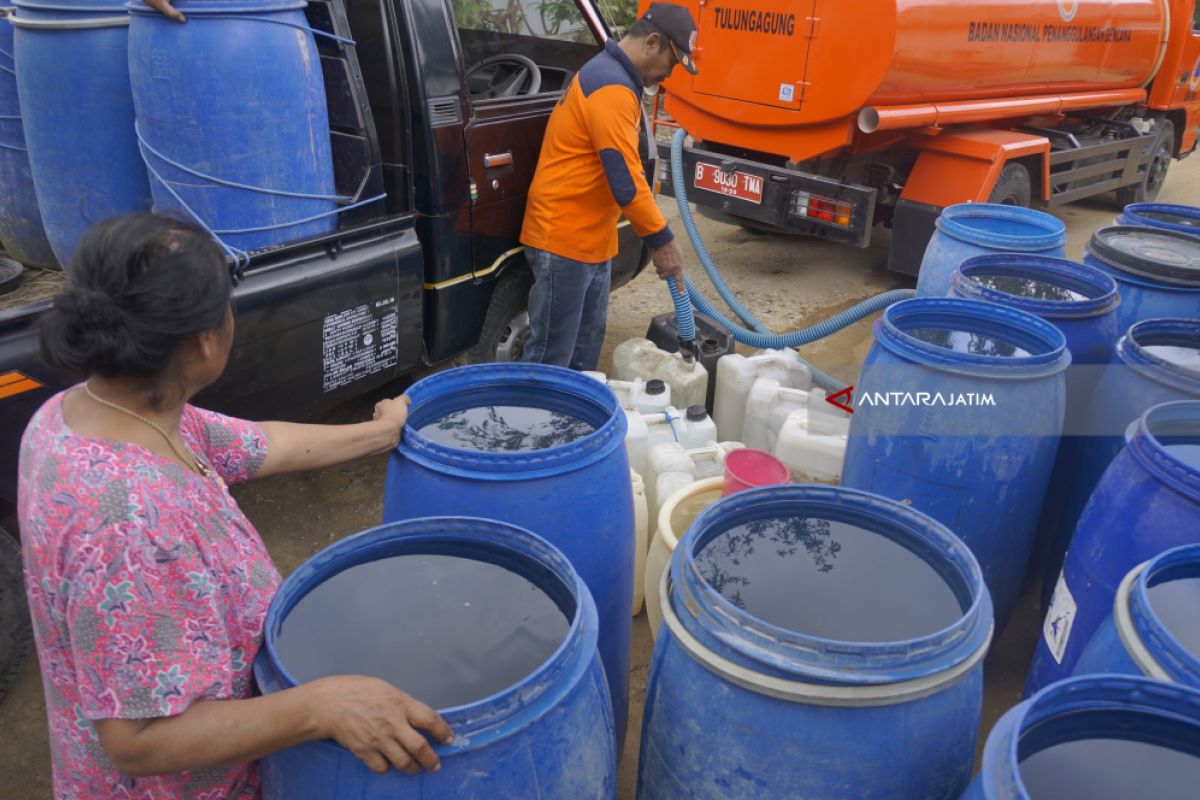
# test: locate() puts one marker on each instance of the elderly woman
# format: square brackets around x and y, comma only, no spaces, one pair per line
[147,585]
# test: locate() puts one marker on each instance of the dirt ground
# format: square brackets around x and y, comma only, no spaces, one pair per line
[789,282]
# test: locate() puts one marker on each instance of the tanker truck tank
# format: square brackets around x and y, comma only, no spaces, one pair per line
[801,79]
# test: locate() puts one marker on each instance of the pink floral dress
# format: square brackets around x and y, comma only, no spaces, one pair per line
[148,588]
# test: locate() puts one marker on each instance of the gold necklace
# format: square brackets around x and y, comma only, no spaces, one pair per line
[185,456]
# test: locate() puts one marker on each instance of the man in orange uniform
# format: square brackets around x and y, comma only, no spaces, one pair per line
[589,172]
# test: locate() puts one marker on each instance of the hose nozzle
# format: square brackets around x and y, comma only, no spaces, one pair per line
[687,349]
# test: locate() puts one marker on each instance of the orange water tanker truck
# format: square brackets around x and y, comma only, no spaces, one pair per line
[829,118]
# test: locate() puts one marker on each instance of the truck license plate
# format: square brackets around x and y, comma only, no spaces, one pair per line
[741,185]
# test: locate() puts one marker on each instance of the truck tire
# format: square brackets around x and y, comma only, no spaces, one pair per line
[506,324]
[1013,187]
[1155,173]
[16,633]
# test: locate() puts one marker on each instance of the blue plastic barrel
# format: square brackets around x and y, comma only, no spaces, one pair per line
[957,411]
[1081,302]
[742,706]
[73,81]
[1184,219]
[232,118]
[1154,628]
[575,495]
[1107,721]
[975,229]
[1154,362]
[1157,270]
[21,230]
[1147,501]
[553,730]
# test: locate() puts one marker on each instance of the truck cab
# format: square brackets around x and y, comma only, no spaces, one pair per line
[438,108]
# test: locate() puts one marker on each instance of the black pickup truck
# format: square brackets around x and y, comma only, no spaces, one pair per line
[439,105]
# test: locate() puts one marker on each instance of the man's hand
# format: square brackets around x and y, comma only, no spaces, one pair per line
[165,8]
[668,262]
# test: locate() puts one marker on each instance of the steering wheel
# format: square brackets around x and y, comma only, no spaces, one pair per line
[522,68]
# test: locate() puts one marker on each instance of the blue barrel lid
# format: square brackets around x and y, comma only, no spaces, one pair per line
[1098,289]
[1156,253]
[1185,219]
[1001,227]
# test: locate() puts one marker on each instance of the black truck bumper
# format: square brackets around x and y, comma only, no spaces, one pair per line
[774,196]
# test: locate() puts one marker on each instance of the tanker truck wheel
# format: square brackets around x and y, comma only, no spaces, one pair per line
[16,633]
[1155,171]
[1013,187]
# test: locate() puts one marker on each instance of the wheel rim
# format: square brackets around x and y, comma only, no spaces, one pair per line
[1158,171]
[512,342]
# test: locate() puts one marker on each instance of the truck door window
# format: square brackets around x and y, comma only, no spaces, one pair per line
[500,39]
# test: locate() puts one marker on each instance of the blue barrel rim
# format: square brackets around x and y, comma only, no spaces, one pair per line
[1147,640]
[217,8]
[1146,271]
[1133,214]
[1131,349]
[1144,444]
[954,222]
[59,6]
[1014,326]
[609,433]
[1100,287]
[490,719]
[814,658]
[1129,693]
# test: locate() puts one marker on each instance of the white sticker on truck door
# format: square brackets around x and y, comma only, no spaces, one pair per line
[1059,619]
[359,342]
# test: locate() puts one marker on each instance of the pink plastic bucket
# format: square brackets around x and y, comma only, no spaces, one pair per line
[747,468]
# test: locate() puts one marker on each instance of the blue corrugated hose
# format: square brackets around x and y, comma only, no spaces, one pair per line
[757,335]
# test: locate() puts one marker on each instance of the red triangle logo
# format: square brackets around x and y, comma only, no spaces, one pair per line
[848,394]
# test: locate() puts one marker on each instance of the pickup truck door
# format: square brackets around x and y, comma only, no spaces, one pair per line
[325,325]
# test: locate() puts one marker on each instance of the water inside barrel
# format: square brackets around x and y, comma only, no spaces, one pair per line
[505,429]
[685,513]
[829,579]
[447,630]
[968,342]
[1186,357]
[1028,287]
[1110,769]
[1177,605]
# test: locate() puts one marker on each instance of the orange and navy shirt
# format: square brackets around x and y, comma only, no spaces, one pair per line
[589,171]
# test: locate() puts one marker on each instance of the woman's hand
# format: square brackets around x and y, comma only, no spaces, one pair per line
[293,447]
[394,412]
[376,721]
[165,8]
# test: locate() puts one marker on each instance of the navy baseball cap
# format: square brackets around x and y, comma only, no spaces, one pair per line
[675,23]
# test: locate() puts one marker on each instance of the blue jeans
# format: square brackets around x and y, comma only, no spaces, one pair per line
[568,310]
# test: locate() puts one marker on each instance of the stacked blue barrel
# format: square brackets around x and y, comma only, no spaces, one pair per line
[21,229]
[83,154]
[222,120]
